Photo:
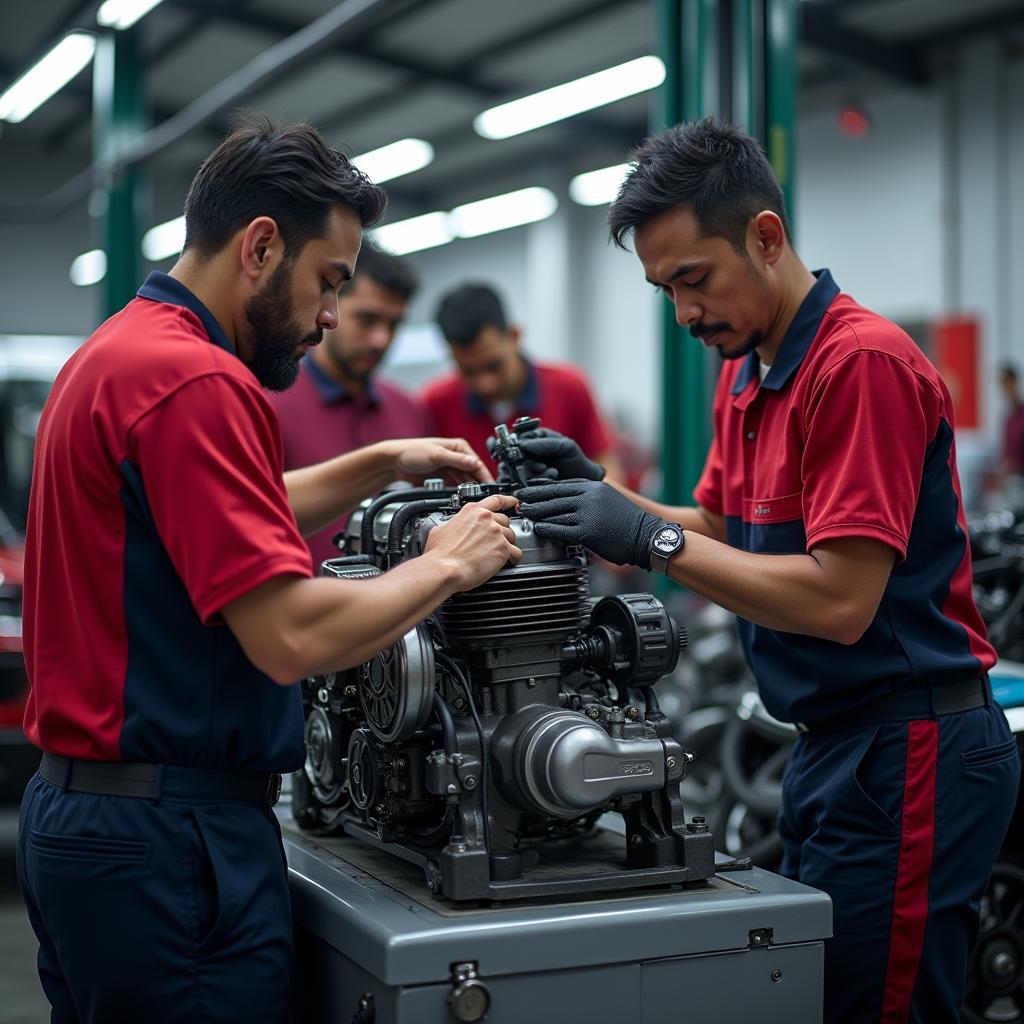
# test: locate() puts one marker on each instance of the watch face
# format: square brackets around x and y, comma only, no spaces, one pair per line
[667,540]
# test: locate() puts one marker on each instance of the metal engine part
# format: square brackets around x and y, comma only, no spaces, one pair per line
[504,724]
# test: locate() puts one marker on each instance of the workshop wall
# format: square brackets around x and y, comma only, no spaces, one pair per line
[923,217]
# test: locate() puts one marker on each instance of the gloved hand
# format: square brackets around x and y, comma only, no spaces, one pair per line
[534,470]
[547,450]
[593,514]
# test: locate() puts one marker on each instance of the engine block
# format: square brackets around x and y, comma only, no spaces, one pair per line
[485,744]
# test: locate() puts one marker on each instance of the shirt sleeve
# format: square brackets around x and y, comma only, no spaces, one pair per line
[709,490]
[868,427]
[210,457]
[589,431]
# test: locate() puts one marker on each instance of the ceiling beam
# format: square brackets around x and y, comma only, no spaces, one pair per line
[822,30]
[416,73]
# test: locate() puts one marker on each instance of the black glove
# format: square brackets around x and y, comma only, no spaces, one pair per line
[534,470]
[593,514]
[545,450]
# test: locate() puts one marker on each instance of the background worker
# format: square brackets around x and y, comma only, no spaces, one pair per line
[496,383]
[162,652]
[338,403]
[828,518]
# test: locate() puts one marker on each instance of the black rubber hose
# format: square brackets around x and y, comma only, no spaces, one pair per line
[390,498]
[651,705]
[444,714]
[403,515]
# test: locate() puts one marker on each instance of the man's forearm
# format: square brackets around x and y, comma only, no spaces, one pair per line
[321,493]
[689,518]
[832,593]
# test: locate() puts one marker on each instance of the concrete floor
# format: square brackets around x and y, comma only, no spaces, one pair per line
[21,998]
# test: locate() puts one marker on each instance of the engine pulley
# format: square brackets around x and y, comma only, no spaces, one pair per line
[396,687]
[365,775]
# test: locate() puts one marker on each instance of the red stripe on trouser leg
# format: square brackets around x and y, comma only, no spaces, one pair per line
[910,899]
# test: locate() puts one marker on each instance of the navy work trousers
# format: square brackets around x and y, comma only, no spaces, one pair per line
[156,911]
[900,823]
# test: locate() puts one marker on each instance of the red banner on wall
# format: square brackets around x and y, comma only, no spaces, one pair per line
[955,349]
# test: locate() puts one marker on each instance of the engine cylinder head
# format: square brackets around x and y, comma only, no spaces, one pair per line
[524,602]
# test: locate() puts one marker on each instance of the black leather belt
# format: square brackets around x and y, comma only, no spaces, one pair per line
[906,705]
[160,781]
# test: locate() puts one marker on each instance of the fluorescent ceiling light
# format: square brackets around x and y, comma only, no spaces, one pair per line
[414,234]
[468,221]
[123,13]
[596,187]
[572,98]
[167,239]
[506,211]
[47,76]
[394,160]
[89,268]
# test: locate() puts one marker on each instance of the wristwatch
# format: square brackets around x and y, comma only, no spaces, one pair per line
[665,543]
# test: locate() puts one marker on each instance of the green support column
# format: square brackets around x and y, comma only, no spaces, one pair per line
[745,68]
[118,118]
[683,32]
[780,40]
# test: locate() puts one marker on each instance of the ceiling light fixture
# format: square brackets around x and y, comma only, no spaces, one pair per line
[47,76]
[511,210]
[167,239]
[524,206]
[571,98]
[424,232]
[89,268]
[594,188]
[395,159]
[121,14]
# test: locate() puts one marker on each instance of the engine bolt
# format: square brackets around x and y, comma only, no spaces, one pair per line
[450,788]
[322,695]
[592,711]
[457,759]
[670,763]
[349,691]
[433,885]
[776,975]
[469,782]
[632,712]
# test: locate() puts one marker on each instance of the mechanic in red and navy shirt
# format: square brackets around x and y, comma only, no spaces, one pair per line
[169,605]
[496,383]
[829,519]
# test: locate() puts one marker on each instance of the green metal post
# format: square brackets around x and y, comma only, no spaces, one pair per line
[780,23]
[118,118]
[683,29]
[744,69]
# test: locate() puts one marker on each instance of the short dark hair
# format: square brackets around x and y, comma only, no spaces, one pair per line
[716,170]
[386,270]
[465,311]
[287,172]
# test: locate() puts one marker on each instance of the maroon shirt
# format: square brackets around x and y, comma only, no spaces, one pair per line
[320,419]
[1013,441]
[558,394]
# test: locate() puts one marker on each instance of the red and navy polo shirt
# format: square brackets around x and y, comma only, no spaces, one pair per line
[320,419]
[850,434]
[558,394]
[157,499]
